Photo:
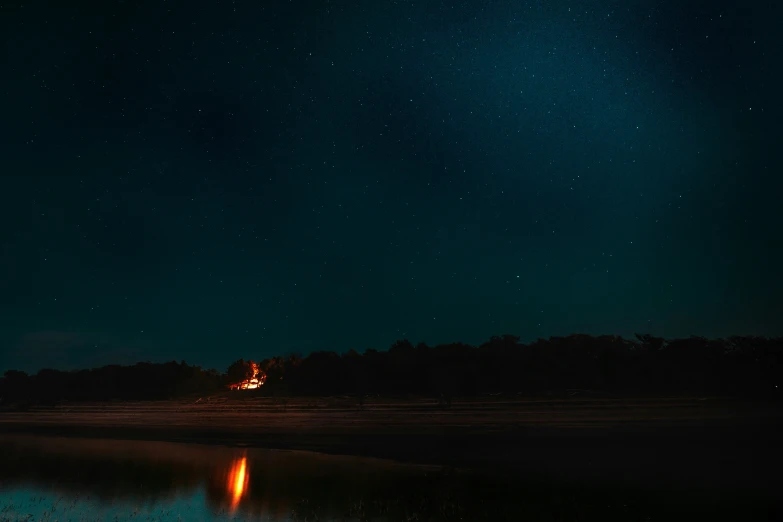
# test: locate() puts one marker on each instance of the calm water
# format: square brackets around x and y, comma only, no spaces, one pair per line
[74,479]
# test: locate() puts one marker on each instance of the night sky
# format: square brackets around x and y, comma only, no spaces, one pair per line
[212,180]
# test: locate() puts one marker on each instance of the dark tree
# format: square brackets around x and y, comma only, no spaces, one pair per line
[239,371]
[738,366]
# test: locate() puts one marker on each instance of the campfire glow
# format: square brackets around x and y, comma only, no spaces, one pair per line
[256,381]
[237,481]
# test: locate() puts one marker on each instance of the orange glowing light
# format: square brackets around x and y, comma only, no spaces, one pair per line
[237,481]
[256,381]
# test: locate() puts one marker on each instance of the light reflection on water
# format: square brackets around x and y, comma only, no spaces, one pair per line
[77,479]
[66,479]
[237,481]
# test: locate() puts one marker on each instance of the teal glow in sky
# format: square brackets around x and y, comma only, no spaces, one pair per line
[207,181]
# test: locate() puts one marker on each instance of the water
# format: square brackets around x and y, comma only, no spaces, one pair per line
[77,479]
[63,479]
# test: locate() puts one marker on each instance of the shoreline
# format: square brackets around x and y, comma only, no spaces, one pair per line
[685,443]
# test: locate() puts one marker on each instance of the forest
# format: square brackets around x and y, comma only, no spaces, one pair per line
[735,366]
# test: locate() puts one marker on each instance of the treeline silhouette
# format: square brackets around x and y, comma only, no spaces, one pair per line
[142,381]
[737,366]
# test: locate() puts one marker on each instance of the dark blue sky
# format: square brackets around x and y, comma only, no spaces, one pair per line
[214,180]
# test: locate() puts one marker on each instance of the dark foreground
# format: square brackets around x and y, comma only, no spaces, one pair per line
[64,479]
[728,451]
[699,456]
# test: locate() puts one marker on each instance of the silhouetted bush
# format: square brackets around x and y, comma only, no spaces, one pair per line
[142,381]
[738,366]
[749,366]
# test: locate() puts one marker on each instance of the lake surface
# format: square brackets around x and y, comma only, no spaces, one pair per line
[48,479]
